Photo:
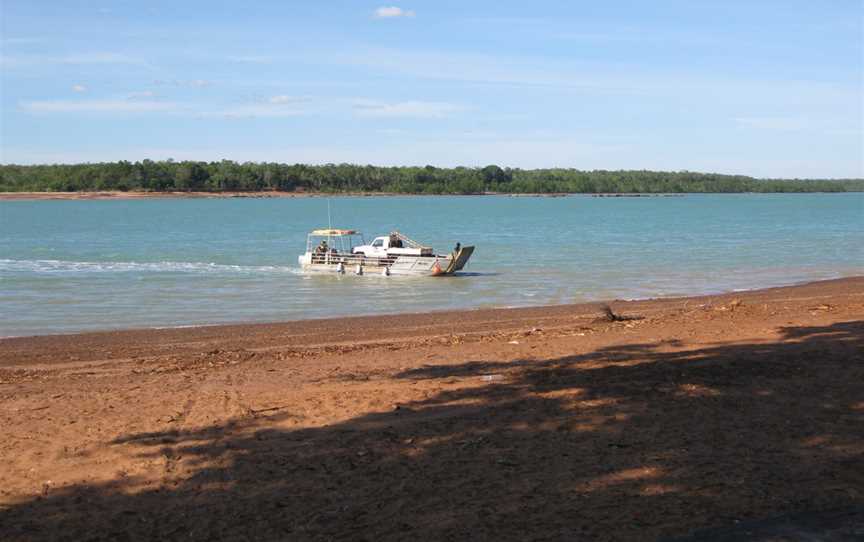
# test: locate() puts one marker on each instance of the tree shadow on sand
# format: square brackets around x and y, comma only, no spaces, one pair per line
[633,442]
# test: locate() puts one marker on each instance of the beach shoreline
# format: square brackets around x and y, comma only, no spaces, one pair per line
[137,195]
[678,414]
[447,316]
[133,195]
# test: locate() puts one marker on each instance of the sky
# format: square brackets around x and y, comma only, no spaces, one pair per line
[757,87]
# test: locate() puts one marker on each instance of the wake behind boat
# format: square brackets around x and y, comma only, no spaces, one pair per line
[345,251]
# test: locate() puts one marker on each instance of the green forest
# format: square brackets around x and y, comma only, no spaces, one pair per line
[228,176]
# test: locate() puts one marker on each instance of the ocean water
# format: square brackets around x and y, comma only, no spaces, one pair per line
[69,266]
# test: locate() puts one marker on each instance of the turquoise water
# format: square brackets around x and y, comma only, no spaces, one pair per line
[84,265]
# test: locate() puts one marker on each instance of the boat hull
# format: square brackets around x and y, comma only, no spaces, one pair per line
[356,264]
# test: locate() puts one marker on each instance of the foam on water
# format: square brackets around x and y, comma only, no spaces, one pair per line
[60,266]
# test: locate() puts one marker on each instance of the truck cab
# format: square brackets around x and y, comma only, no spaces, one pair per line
[388,246]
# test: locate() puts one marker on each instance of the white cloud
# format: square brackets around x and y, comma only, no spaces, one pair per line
[20,41]
[772,123]
[389,12]
[195,83]
[855,132]
[98,58]
[280,105]
[488,69]
[251,59]
[284,99]
[392,132]
[417,109]
[145,102]
[143,94]
[593,78]
[265,110]
[96,106]
[71,59]
[79,88]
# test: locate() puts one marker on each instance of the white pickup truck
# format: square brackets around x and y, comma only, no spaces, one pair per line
[392,245]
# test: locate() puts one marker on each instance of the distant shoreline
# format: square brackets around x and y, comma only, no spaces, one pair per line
[202,179]
[118,195]
[132,195]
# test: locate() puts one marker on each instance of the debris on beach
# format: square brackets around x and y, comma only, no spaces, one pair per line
[734,304]
[611,316]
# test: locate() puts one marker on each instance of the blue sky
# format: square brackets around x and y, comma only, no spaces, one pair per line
[766,88]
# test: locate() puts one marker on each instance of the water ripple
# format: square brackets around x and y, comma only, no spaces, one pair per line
[61,266]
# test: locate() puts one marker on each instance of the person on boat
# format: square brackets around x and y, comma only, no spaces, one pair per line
[457,248]
[320,251]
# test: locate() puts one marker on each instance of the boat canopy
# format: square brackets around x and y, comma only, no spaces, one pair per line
[341,241]
[334,233]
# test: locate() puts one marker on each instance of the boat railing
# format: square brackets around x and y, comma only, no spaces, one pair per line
[407,240]
[348,259]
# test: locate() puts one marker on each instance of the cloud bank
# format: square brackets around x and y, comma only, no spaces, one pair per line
[391,12]
[95,106]
[416,109]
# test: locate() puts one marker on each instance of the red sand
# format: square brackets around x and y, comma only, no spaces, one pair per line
[543,423]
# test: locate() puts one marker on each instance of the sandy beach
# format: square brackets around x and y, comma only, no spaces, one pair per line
[662,418]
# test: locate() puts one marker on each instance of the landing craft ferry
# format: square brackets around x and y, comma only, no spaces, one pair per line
[345,251]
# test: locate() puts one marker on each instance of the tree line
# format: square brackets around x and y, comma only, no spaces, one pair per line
[229,176]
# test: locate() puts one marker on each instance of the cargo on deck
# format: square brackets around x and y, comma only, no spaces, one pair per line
[345,251]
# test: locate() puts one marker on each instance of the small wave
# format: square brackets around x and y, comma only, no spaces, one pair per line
[62,266]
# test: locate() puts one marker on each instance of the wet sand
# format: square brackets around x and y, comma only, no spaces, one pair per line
[539,423]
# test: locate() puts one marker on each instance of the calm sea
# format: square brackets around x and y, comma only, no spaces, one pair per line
[86,265]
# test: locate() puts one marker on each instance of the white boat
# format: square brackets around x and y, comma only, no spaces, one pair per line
[345,251]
